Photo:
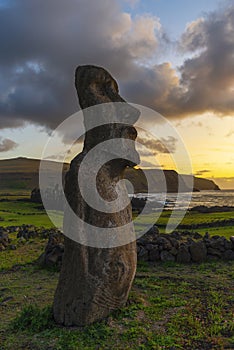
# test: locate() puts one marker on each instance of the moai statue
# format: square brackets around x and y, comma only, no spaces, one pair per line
[95,279]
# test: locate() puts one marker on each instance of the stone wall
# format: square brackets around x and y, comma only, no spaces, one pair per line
[184,247]
[181,247]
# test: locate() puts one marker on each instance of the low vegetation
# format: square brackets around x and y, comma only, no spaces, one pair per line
[221,223]
[171,306]
[19,212]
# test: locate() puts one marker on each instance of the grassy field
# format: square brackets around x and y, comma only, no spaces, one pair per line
[13,212]
[214,223]
[14,194]
[16,213]
[171,306]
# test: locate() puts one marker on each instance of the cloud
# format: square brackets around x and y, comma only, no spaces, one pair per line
[132,3]
[152,146]
[42,42]
[204,82]
[7,145]
[147,164]
[230,133]
[194,37]
[201,172]
[208,77]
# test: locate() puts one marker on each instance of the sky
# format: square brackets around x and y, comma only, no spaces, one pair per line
[175,57]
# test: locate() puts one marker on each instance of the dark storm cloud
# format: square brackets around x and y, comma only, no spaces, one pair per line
[42,42]
[209,75]
[7,145]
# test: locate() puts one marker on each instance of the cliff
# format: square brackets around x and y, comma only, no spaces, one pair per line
[202,184]
[157,179]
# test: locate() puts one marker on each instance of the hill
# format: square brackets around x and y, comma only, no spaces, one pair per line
[22,174]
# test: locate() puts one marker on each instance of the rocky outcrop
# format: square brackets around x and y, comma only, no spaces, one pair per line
[94,281]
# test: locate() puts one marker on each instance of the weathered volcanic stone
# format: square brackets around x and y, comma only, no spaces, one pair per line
[4,240]
[183,255]
[53,252]
[229,255]
[198,252]
[94,281]
[166,256]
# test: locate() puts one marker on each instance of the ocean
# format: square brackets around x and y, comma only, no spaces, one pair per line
[207,198]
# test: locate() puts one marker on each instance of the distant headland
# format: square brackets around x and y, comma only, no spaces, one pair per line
[22,174]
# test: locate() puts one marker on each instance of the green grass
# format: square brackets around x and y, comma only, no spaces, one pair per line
[14,194]
[17,213]
[191,219]
[226,231]
[23,255]
[170,306]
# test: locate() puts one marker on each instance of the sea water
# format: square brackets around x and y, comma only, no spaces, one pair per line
[188,200]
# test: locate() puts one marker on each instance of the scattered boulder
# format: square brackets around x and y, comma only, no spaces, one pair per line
[4,240]
[53,252]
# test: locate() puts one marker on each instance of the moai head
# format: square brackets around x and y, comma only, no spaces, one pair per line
[106,115]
